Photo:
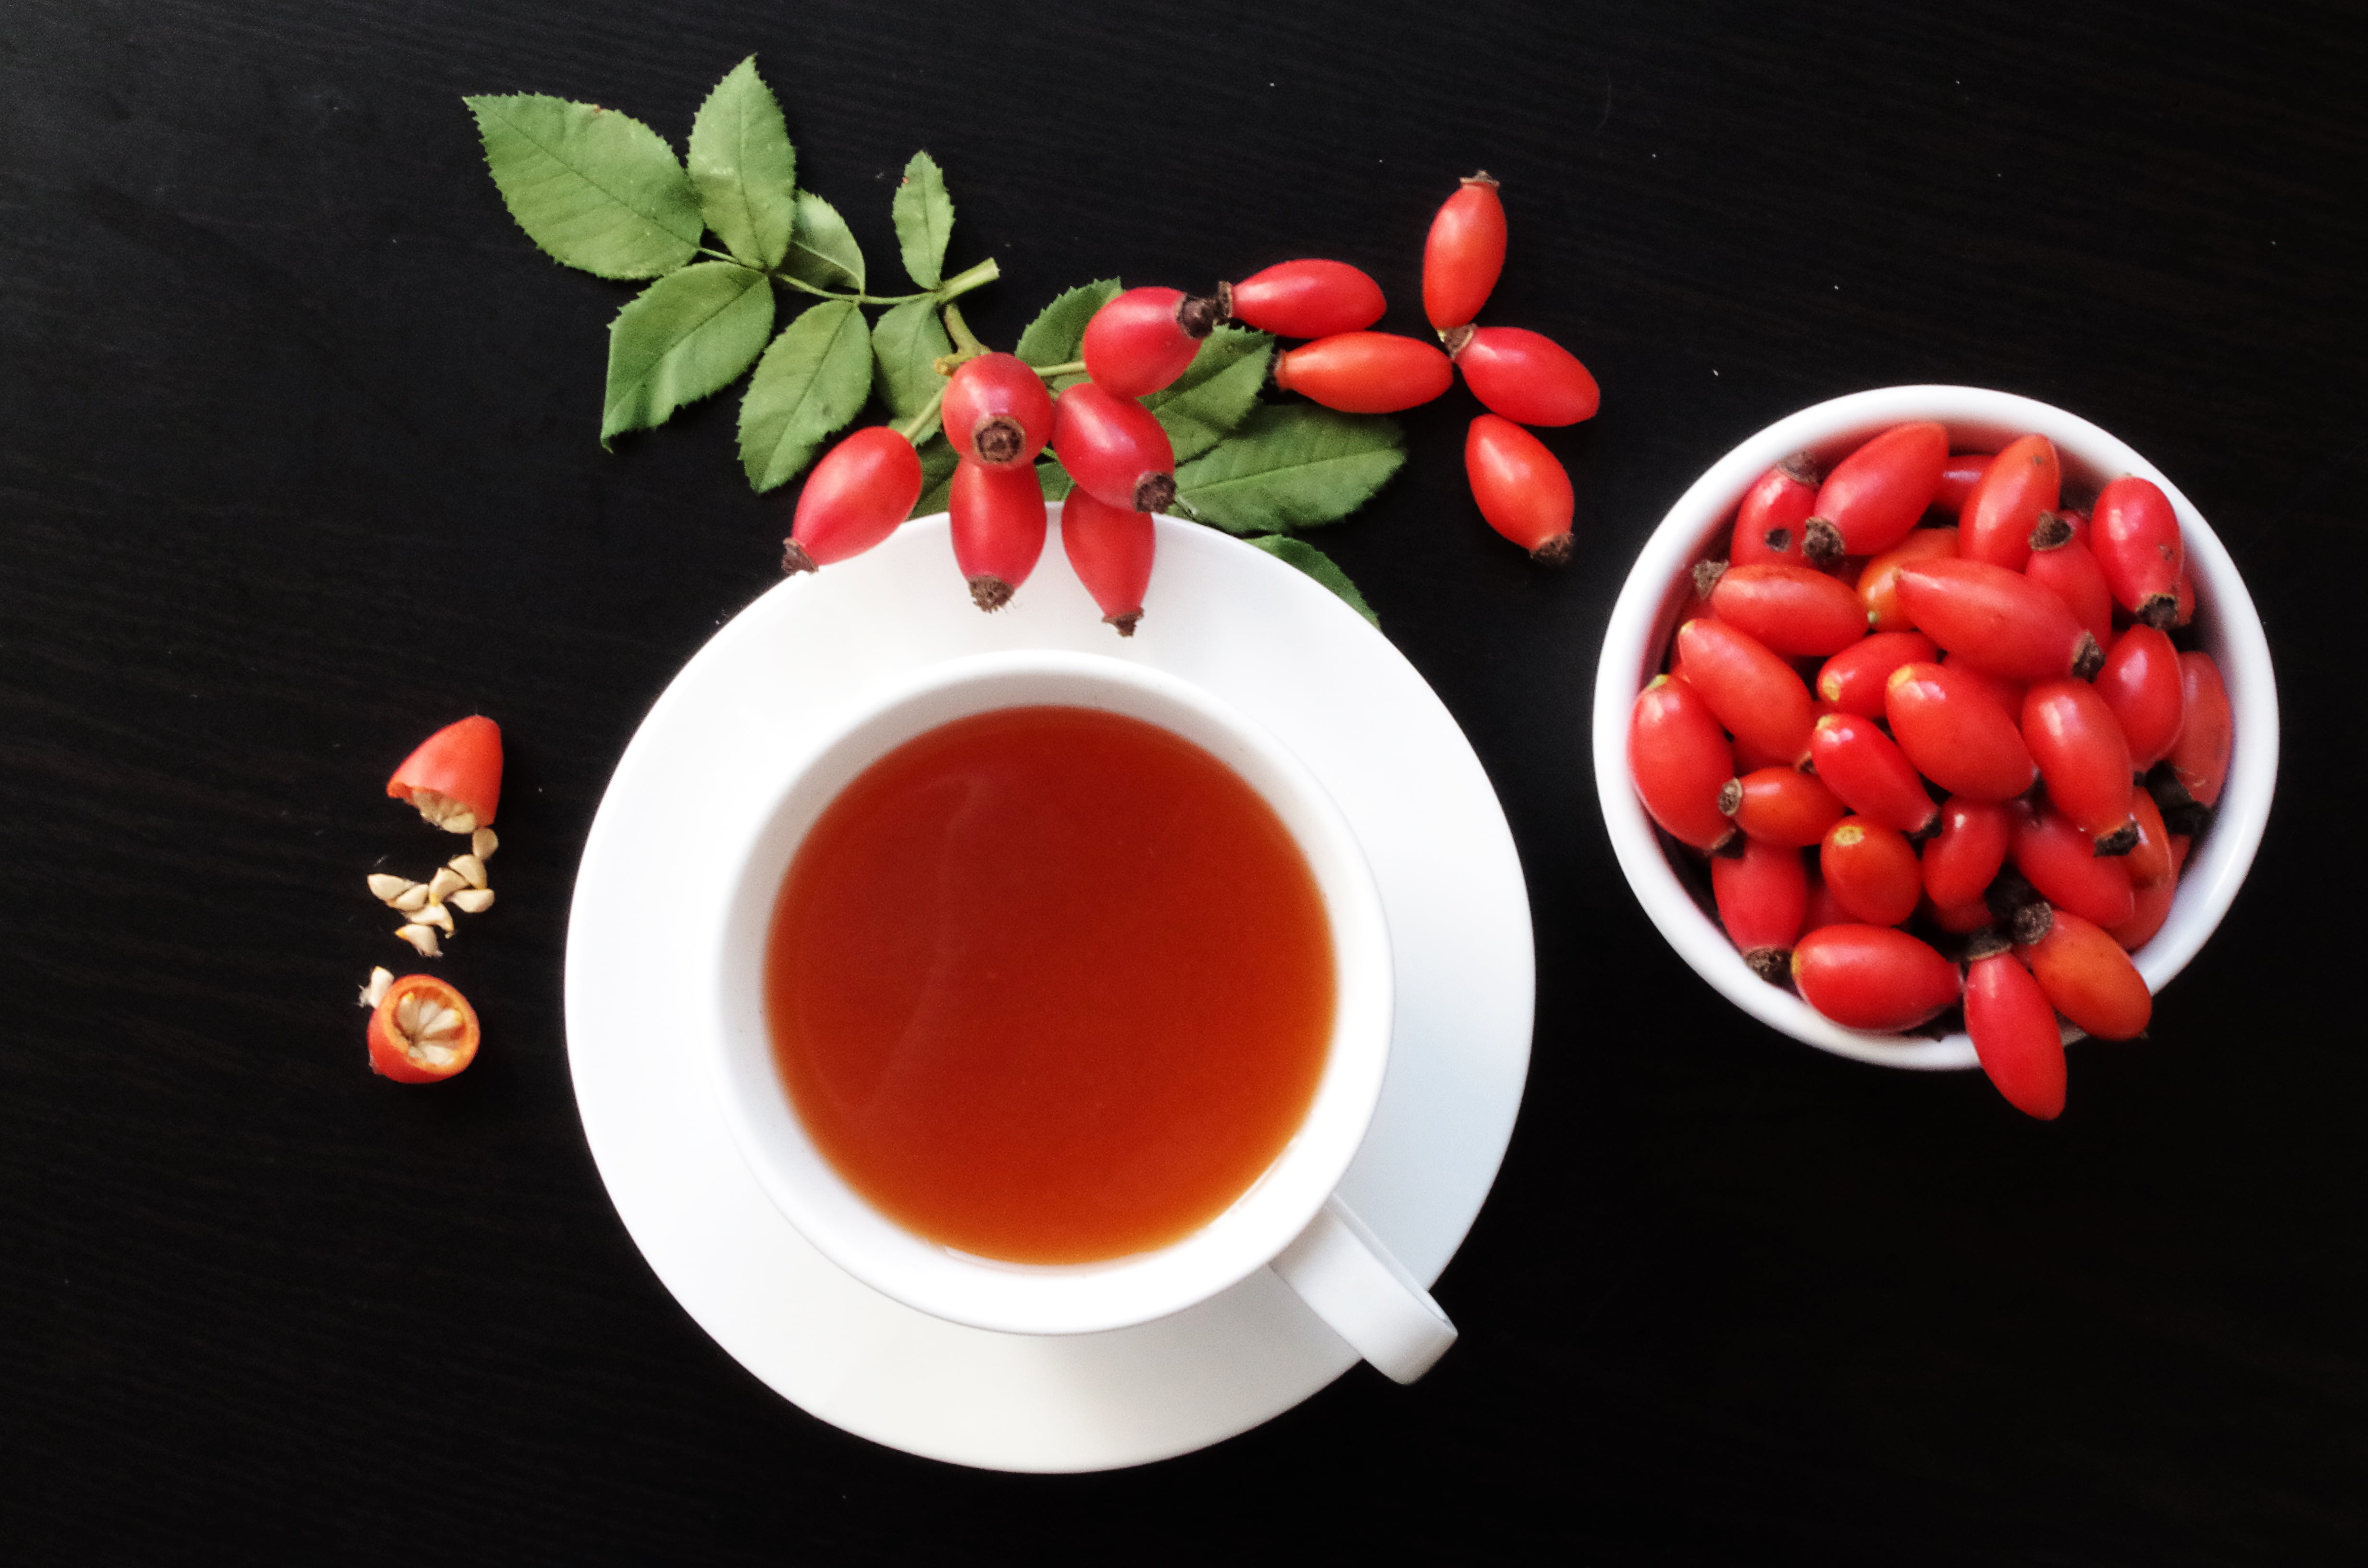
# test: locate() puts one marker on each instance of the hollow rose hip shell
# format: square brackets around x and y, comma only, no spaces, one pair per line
[454,777]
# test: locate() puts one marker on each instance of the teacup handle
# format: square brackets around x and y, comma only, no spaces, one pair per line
[1343,1272]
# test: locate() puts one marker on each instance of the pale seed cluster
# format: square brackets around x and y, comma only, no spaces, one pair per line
[460,884]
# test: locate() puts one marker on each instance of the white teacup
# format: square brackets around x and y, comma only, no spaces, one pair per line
[1289,1219]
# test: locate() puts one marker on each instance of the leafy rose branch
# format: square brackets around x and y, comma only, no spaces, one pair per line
[599,191]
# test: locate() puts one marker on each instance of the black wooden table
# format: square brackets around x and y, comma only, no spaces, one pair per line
[297,460]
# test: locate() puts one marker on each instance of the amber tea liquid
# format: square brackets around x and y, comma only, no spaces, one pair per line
[1050,985]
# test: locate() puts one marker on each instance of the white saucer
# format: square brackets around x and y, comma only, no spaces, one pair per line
[1276,645]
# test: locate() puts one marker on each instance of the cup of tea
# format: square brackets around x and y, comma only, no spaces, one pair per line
[1053,995]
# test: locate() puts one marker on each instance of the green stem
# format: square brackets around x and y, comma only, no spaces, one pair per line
[911,430]
[964,339]
[1074,367]
[985,272]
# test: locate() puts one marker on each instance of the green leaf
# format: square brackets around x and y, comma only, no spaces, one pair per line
[1292,466]
[811,382]
[1318,565]
[593,188]
[684,336]
[1054,479]
[1058,333]
[937,462]
[744,168]
[823,252]
[1215,392]
[906,342]
[924,219]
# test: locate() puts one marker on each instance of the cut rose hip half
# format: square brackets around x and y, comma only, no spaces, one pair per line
[455,776]
[422,1031]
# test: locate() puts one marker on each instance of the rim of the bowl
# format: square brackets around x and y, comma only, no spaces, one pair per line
[1631,646]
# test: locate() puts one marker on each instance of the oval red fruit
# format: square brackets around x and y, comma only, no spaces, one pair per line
[1767,522]
[1141,340]
[1853,679]
[1871,871]
[1995,522]
[2064,564]
[1955,735]
[1523,375]
[1998,620]
[2149,909]
[2060,859]
[2014,1033]
[1523,489]
[1874,778]
[1110,549]
[1963,857]
[1755,694]
[997,518]
[2134,532]
[2149,861]
[1878,581]
[1875,494]
[1115,447]
[1792,609]
[1365,372]
[2140,682]
[2207,729]
[1781,805]
[1872,977]
[997,411]
[2078,744]
[1762,897]
[1678,761]
[1463,254]
[2089,979]
[859,493]
[1305,299]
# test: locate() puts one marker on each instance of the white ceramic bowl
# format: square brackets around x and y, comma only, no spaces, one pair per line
[1978,420]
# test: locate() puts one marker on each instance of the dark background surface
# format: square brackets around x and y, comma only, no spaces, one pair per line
[297,461]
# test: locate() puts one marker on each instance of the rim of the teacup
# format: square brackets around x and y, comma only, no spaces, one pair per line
[1978,419]
[986,1293]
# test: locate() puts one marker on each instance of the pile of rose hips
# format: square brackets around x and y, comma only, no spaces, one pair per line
[2001,688]
[999,414]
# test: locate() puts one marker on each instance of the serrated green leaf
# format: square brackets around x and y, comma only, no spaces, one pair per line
[1054,479]
[744,168]
[1289,467]
[905,341]
[924,219]
[938,461]
[1058,333]
[1216,390]
[811,382]
[823,251]
[684,336]
[595,188]
[1318,565]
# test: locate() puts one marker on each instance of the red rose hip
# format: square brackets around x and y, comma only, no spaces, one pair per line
[1110,549]
[2014,1034]
[1871,977]
[1755,694]
[1463,254]
[2134,532]
[1305,299]
[1871,871]
[2078,744]
[2022,481]
[1525,375]
[1762,897]
[1678,759]
[1955,735]
[1998,620]
[1115,447]
[997,411]
[997,518]
[857,495]
[1853,679]
[1874,495]
[1365,372]
[1867,769]
[1141,340]
[1781,805]
[1768,523]
[2140,682]
[1523,489]
[2207,730]
[2088,978]
[1792,609]
[1963,857]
